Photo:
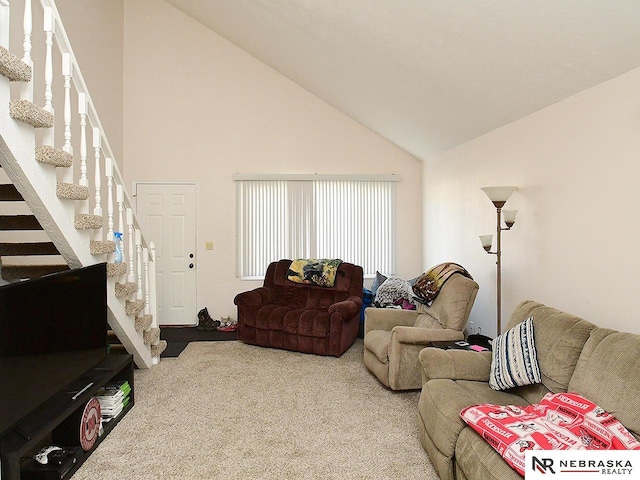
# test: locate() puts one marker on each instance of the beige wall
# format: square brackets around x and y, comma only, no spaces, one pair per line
[198,109]
[95,29]
[575,242]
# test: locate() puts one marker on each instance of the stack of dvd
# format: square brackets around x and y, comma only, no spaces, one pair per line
[113,397]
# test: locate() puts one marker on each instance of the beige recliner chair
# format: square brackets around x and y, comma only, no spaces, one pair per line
[393,338]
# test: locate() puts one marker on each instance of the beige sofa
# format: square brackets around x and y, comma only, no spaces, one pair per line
[573,354]
[393,338]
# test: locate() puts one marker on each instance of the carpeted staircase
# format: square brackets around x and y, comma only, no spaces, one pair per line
[35,238]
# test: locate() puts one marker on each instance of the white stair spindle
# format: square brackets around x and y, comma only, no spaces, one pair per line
[139,263]
[108,168]
[153,303]
[48,65]
[83,207]
[4,23]
[97,144]
[121,225]
[131,277]
[145,261]
[67,73]
[26,90]
[97,182]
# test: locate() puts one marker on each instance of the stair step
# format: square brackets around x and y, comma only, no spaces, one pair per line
[133,307]
[156,350]
[22,272]
[23,249]
[125,289]
[53,156]
[116,349]
[143,322]
[116,269]
[13,68]
[19,222]
[86,221]
[30,113]
[71,191]
[151,336]
[9,193]
[100,247]
[112,338]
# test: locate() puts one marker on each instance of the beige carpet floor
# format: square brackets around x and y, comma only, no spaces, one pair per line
[226,410]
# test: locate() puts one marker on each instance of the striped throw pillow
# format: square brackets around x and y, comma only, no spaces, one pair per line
[514,362]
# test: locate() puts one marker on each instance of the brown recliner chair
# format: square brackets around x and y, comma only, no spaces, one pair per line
[302,317]
[393,338]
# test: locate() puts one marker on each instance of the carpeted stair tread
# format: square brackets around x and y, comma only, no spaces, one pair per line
[9,193]
[151,336]
[116,269]
[25,249]
[125,289]
[19,222]
[13,68]
[100,247]
[156,350]
[86,221]
[53,156]
[21,272]
[71,191]
[133,307]
[143,322]
[30,113]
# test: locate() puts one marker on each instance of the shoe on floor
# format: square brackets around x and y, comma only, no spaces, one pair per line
[205,322]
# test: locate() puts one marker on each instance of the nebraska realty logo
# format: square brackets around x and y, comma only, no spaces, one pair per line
[583,464]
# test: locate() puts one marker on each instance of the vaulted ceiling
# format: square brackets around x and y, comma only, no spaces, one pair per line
[432,74]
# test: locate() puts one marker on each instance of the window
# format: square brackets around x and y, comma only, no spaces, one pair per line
[315,216]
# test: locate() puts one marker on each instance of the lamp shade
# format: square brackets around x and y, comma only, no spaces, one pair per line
[509,216]
[486,241]
[499,195]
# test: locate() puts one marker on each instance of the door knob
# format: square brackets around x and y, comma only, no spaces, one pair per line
[191,265]
[191,255]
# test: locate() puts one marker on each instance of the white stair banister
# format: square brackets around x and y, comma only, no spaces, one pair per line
[58,216]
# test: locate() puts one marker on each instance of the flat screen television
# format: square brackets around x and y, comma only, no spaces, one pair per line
[52,330]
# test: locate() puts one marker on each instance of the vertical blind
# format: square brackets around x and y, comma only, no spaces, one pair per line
[307,218]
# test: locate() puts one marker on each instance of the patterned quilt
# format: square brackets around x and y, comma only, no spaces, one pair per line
[321,272]
[560,421]
[428,285]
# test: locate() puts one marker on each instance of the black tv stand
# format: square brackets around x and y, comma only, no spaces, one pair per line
[55,418]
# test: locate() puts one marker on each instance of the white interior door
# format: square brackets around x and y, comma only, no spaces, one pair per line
[167,214]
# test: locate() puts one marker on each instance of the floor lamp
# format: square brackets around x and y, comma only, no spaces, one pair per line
[499,196]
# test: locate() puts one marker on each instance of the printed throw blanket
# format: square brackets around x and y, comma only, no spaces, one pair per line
[428,285]
[321,272]
[561,421]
